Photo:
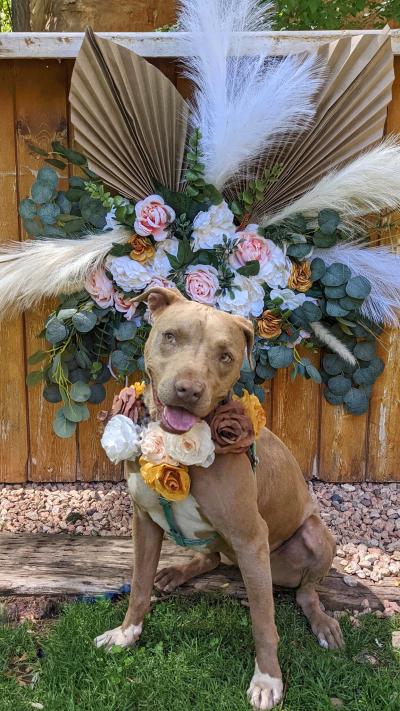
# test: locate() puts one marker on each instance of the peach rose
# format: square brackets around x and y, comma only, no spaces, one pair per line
[124,306]
[100,288]
[253,409]
[268,325]
[153,217]
[300,277]
[202,283]
[251,247]
[142,249]
[172,482]
[231,429]
[153,443]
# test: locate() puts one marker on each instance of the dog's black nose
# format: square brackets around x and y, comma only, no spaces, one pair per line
[189,390]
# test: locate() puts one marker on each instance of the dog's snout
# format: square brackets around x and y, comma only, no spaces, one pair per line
[189,391]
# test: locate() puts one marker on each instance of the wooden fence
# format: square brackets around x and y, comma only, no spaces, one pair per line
[35,73]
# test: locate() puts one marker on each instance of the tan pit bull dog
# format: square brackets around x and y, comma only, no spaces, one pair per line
[266,523]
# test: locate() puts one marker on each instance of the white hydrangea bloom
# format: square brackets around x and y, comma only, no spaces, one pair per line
[248,297]
[121,439]
[129,274]
[210,227]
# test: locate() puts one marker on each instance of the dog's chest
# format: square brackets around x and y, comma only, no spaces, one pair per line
[187,515]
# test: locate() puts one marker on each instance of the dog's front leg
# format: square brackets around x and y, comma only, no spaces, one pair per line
[227,495]
[147,540]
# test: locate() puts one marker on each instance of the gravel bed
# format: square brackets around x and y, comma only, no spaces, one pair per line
[364,518]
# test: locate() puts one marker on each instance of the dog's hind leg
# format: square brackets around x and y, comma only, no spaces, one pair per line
[302,562]
[147,540]
[171,577]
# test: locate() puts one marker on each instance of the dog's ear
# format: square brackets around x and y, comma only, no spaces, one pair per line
[158,298]
[248,331]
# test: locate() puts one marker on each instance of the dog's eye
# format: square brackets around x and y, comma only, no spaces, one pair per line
[226,357]
[169,337]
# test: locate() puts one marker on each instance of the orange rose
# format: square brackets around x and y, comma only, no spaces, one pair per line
[254,411]
[269,326]
[142,250]
[171,481]
[300,277]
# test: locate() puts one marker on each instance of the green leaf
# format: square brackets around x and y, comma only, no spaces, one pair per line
[280,356]
[62,426]
[52,394]
[97,393]
[48,175]
[364,376]
[56,163]
[56,331]
[37,357]
[75,412]
[350,304]
[314,374]
[365,350]
[251,268]
[339,385]
[377,366]
[36,149]
[27,209]
[64,314]
[125,331]
[358,287]
[333,365]
[120,361]
[334,309]
[356,401]
[332,398]
[80,391]
[72,156]
[318,268]
[266,372]
[33,227]
[48,213]
[34,377]
[328,221]
[41,192]
[84,321]
[336,275]
[335,292]
[324,241]
[311,311]
[104,375]
[299,251]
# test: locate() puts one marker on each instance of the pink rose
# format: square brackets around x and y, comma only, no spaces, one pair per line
[251,247]
[153,217]
[202,283]
[153,445]
[124,306]
[100,288]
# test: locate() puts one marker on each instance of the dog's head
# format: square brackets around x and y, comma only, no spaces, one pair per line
[193,356]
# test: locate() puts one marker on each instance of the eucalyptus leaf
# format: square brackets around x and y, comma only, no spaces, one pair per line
[313,372]
[336,275]
[34,377]
[41,192]
[125,331]
[332,364]
[37,357]
[48,175]
[323,241]
[332,398]
[27,209]
[358,287]
[266,372]
[300,251]
[33,227]
[311,311]
[328,221]
[64,314]
[80,391]
[334,309]
[251,268]
[62,426]
[120,361]
[335,292]
[97,393]
[56,331]
[104,375]
[79,374]
[48,213]
[84,321]
[339,385]
[365,350]
[75,412]
[52,394]
[280,356]
[350,304]
[356,401]
[318,268]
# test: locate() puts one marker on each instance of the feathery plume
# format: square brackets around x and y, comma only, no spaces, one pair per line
[334,344]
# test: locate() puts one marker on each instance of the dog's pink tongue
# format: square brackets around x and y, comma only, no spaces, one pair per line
[178,419]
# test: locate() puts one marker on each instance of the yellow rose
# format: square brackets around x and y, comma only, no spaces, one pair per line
[139,388]
[269,326]
[171,481]
[300,277]
[142,249]
[253,410]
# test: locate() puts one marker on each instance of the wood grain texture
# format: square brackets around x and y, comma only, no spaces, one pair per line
[343,448]
[41,118]
[384,424]
[71,565]
[295,415]
[13,417]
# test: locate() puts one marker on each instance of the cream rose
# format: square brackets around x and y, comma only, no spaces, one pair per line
[194,447]
[100,288]
[153,216]
[124,306]
[121,439]
[128,274]
[160,266]
[202,283]
[210,227]
[153,443]
[247,298]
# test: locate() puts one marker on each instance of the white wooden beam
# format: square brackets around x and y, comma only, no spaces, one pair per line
[63,45]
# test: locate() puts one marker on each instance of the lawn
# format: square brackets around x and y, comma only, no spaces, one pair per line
[194,654]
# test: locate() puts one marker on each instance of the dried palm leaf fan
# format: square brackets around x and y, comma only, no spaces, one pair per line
[128,117]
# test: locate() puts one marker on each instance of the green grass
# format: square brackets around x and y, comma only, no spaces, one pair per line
[194,654]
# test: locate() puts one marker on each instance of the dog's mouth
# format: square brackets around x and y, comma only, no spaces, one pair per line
[174,419]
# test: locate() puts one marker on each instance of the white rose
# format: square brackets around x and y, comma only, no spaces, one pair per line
[248,297]
[160,266]
[275,270]
[129,274]
[153,443]
[210,227]
[290,300]
[194,447]
[121,439]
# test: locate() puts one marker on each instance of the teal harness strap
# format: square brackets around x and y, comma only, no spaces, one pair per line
[174,531]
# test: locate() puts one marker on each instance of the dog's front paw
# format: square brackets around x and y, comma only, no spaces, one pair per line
[119,637]
[265,691]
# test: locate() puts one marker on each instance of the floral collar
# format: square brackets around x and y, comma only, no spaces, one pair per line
[165,458]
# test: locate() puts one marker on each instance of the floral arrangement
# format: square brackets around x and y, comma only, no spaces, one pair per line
[198,243]
[164,458]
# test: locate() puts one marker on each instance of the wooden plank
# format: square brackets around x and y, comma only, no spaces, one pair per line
[45,45]
[343,448]
[84,565]
[13,425]
[384,425]
[298,429]
[41,117]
